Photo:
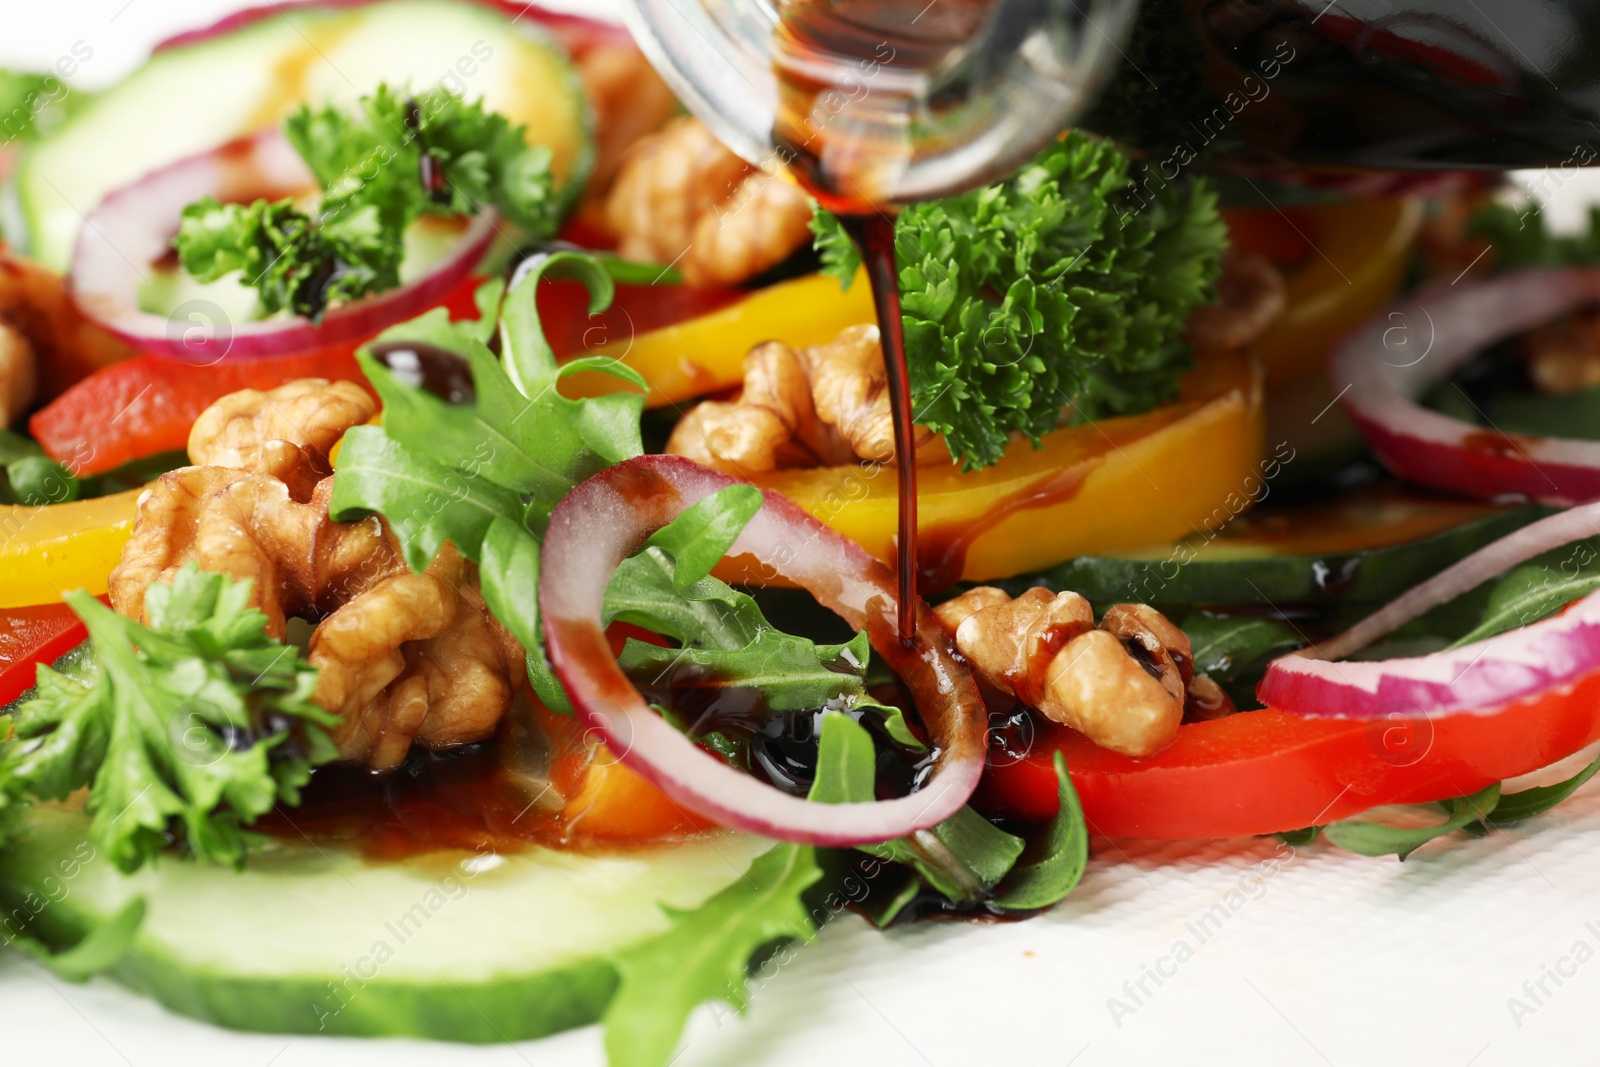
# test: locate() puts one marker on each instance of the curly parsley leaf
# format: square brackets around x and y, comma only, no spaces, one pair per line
[1060,286]
[295,262]
[194,727]
[380,168]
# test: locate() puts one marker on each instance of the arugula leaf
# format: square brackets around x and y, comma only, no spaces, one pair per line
[380,168]
[31,477]
[792,673]
[1060,855]
[725,639]
[699,538]
[524,446]
[963,857]
[706,955]
[1538,589]
[1379,839]
[1515,807]
[194,726]
[1042,291]
[519,435]
[1225,646]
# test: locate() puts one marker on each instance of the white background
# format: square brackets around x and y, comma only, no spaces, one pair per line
[1332,959]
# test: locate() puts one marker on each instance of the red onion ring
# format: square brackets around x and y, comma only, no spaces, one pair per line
[1479,678]
[1379,373]
[607,518]
[133,227]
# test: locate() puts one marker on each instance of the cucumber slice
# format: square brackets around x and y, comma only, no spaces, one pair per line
[451,946]
[195,96]
[1369,549]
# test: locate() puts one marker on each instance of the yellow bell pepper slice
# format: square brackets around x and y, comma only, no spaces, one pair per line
[706,354]
[46,551]
[1101,486]
[1359,252]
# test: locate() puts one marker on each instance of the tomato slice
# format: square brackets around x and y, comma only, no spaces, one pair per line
[31,636]
[1263,771]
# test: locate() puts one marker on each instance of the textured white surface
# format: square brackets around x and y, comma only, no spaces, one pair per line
[1324,958]
[1288,957]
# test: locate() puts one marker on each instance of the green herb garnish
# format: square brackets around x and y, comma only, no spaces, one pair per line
[381,168]
[1063,285]
[1520,238]
[193,728]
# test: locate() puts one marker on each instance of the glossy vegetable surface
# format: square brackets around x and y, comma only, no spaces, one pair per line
[1265,771]
[1089,488]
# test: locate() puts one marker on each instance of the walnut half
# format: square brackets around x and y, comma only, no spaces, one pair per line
[681,197]
[1125,685]
[402,657]
[820,406]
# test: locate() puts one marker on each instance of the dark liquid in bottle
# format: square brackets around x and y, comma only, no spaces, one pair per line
[847,74]
[1268,85]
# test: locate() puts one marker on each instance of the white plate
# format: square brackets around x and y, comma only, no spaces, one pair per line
[1471,953]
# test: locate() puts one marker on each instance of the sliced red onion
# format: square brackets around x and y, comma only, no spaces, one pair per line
[1478,678]
[608,517]
[132,229]
[1381,370]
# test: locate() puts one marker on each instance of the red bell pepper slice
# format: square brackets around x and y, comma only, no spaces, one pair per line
[146,405]
[31,636]
[1259,772]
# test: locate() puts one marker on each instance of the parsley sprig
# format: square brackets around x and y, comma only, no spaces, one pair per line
[194,726]
[381,167]
[1063,285]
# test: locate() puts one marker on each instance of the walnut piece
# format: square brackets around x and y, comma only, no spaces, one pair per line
[681,197]
[19,375]
[1125,685]
[629,101]
[1250,296]
[286,434]
[402,657]
[1564,356]
[66,344]
[820,406]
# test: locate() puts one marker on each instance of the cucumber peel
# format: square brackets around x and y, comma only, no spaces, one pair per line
[454,946]
[1240,567]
